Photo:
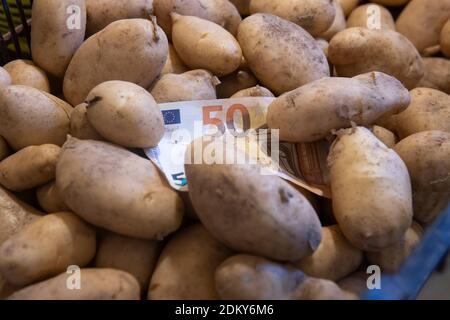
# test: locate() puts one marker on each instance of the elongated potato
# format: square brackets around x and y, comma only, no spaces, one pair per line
[4,149]
[95,284]
[5,77]
[359,50]
[14,214]
[315,16]
[202,44]
[49,198]
[25,72]
[371,16]
[385,136]
[391,258]
[173,63]
[422,21]
[46,247]
[244,277]
[339,23]
[294,59]
[240,207]
[135,256]
[427,156]
[221,12]
[58,30]
[437,74]
[126,114]
[335,257]
[192,85]
[445,39]
[372,197]
[185,269]
[253,92]
[139,60]
[30,117]
[30,167]
[80,127]
[311,112]
[113,188]
[100,13]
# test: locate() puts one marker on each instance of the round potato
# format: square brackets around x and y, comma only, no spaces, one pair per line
[29,117]
[202,44]
[49,198]
[56,35]
[371,188]
[135,256]
[95,284]
[311,112]
[359,50]
[139,61]
[5,77]
[191,85]
[113,188]
[46,247]
[185,269]
[173,63]
[26,73]
[385,136]
[294,58]
[335,257]
[80,127]
[437,74]
[371,16]
[253,92]
[125,114]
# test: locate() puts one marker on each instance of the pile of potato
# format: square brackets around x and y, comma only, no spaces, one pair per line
[76,190]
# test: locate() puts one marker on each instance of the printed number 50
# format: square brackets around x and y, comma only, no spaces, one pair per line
[229,119]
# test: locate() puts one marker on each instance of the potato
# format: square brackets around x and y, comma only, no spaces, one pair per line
[95,284]
[359,50]
[348,5]
[365,16]
[371,188]
[46,247]
[30,117]
[100,13]
[80,126]
[5,77]
[244,277]
[30,167]
[293,60]
[437,74]
[192,85]
[334,259]
[113,188]
[356,283]
[126,114]
[26,73]
[53,43]
[315,16]
[429,110]
[445,39]
[422,21]
[173,63]
[391,258]
[313,111]
[237,81]
[253,92]
[202,44]
[427,156]
[243,6]
[185,269]
[14,214]
[133,50]
[385,136]
[221,12]
[49,198]
[240,207]
[338,25]
[393,3]
[135,256]
[6,289]
[4,149]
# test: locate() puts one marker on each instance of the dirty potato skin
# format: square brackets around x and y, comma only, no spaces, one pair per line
[126,114]
[122,192]
[25,72]
[29,167]
[185,269]
[240,207]
[110,55]
[46,247]
[359,50]
[96,284]
[29,116]
[371,187]
[52,43]
[311,112]
[437,74]
[294,60]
